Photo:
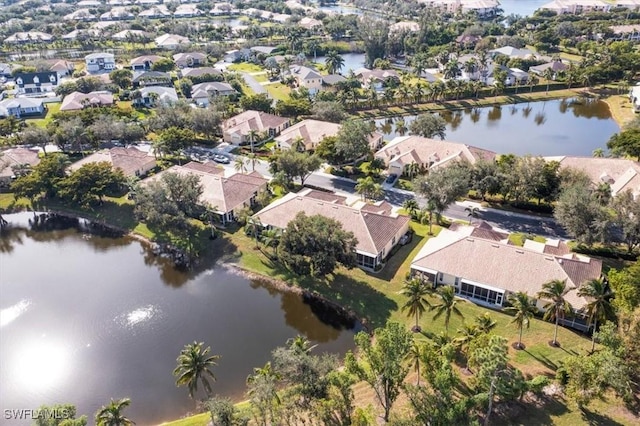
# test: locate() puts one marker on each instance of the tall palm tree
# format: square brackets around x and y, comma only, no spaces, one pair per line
[416,291]
[300,345]
[548,75]
[252,159]
[414,357]
[410,205]
[253,227]
[401,127]
[271,238]
[447,306]
[253,137]
[111,415]
[240,164]
[598,153]
[599,307]
[472,212]
[195,364]
[485,323]
[523,309]
[467,334]
[555,291]
[334,62]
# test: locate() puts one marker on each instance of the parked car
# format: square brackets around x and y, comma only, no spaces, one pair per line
[391,178]
[221,159]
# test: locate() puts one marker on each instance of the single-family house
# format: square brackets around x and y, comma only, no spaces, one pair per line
[332,79]
[376,227]
[482,266]
[237,129]
[228,195]
[223,9]
[12,161]
[29,37]
[100,62]
[171,41]
[62,68]
[151,78]
[155,95]
[6,69]
[144,63]
[201,93]
[117,14]
[22,107]
[76,101]
[309,23]
[187,11]
[404,26]
[307,77]
[134,35]
[191,59]
[202,74]
[377,78]
[557,66]
[36,82]
[307,134]
[576,6]
[131,161]
[155,12]
[512,52]
[626,32]
[620,174]
[80,15]
[237,55]
[404,151]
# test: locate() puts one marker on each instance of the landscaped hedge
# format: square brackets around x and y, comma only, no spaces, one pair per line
[610,252]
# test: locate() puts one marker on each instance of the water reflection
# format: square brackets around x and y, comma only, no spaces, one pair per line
[570,127]
[96,319]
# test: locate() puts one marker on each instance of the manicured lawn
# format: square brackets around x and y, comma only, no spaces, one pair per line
[261,78]
[245,67]
[403,184]
[278,90]
[52,108]
[519,238]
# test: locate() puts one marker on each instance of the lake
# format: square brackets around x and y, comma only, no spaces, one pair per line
[556,127]
[352,61]
[85,318]
[521,7]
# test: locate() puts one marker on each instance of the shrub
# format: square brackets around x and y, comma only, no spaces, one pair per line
[538,383]
[562,376]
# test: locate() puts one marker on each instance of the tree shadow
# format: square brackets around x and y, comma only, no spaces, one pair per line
[540,411]
[593,418]
[543,360]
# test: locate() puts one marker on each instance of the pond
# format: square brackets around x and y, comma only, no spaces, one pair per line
[86,318]
[557,127]
[352,61]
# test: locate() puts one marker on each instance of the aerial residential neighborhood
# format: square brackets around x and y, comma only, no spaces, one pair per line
[319,212]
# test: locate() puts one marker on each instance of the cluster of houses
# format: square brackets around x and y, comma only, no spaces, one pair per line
[478,261]
[586,6]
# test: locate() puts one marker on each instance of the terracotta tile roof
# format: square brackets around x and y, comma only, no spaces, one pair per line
[207,167]
[16,157]
[77,100]
[225,194]
[326,196]
[373,231]
[504,266]
[311,131]
[424,151]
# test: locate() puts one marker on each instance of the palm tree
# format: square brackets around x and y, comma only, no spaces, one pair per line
[111,415]
[195,364]
[555,291]
[253,227]
[467,334]
[485,323]
[548,75]
[368,188]
[472,212]
[401,127]
[410,205]
[598,153]
[253,136]
[523,309]
[211,216]
[271,238]
[416,291]
[334,62]
[300,345]
[252,159]
[447,306]
[414,357]
[599,307]
[240,164]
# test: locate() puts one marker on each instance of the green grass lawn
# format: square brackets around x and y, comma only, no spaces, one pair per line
[278,91]
[245,67]
[519,238]
[52,108]
[261,78]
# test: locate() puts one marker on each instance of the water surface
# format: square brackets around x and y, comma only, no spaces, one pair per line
[85,318]
[557,127]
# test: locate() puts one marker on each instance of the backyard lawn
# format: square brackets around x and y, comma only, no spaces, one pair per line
[52,108]
[278,91]
[245,67]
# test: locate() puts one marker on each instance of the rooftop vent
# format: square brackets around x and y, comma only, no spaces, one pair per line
[520,251]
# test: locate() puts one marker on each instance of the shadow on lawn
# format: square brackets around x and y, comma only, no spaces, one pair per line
[543,360]
[593,418]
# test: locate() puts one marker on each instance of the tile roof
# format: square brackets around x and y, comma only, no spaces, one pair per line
[253,120]
[504,266]
[225,194]
[129,160]
[407,149]
[197,72]
[620,173]
[204,90]
[17,156]
[372,230]
[311,131]
[146,58]
[207,167]
[77,100]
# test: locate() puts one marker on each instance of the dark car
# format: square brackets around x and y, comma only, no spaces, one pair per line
[220,159]
[391,178]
